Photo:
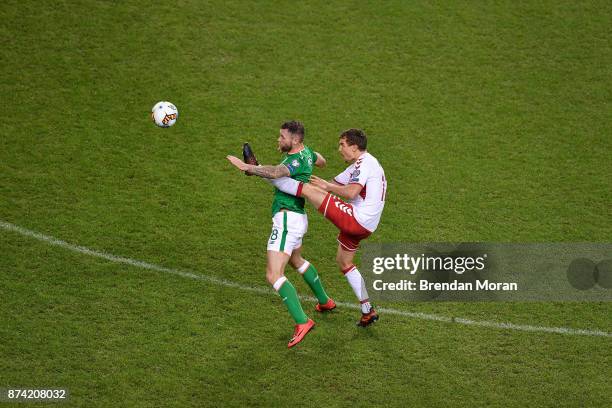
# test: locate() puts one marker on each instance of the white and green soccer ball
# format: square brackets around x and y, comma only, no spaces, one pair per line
[164,114]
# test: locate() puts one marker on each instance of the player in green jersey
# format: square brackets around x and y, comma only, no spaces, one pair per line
[289,225]
[364,184]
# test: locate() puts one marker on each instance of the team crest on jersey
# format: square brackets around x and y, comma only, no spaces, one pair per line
[355,174]
[295,163]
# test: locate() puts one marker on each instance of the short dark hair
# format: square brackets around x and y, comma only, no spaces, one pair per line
[295,128]
[355,137]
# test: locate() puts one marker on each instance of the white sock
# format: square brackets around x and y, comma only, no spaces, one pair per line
[356,281]
[286,185]
[279,282]
[366,307]
[303,268]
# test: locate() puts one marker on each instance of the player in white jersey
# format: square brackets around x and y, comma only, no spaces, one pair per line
[363,183]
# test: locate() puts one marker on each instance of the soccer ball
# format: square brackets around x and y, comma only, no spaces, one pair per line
[164,114]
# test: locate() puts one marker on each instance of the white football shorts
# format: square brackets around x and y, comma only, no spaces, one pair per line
[288,229]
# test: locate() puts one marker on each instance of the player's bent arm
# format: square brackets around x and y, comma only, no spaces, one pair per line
[320,162]
[349,191]
[271,172]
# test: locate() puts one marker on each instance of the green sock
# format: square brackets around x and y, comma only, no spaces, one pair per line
[289,295]
[311,276]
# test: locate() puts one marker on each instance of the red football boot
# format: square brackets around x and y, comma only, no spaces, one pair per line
[368,318]
[326,307]
[300,331]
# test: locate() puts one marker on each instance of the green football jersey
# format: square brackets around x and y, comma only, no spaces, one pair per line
[300,168]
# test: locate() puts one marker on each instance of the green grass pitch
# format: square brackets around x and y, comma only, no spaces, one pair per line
[491,119]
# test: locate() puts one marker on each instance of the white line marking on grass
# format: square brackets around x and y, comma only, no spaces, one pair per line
[223,282]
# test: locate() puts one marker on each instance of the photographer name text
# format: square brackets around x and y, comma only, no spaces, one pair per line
[454,286]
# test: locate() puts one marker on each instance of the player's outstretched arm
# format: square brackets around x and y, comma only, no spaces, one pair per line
[320,162]
[349,191]
[239,164]
[270,172]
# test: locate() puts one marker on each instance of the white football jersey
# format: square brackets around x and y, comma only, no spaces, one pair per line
[369,204]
